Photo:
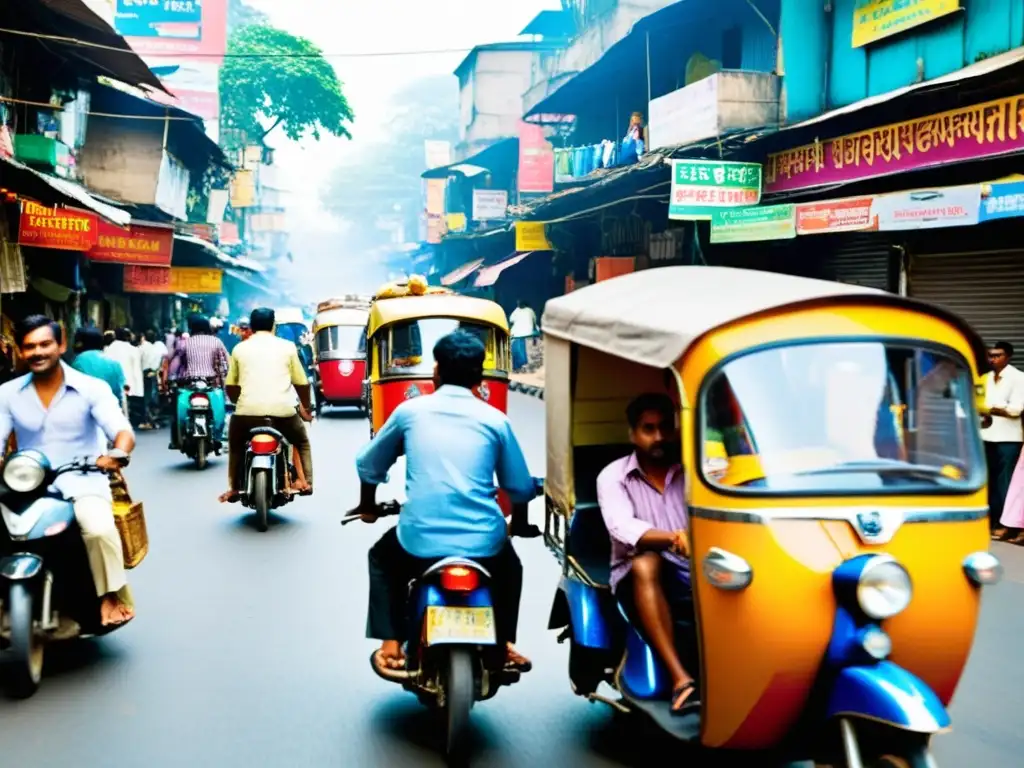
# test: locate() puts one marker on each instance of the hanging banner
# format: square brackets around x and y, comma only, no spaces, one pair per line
[849,215]
[968,133]
[530,236]
[191,280]
[928,208]
[746,225]
[60,229]
[1001,200]
[875,20]
[489,204]
[700,187]
[134,244]
[536,160]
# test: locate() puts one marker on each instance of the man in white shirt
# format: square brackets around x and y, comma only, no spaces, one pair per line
[130,358]
[1002,429]
[153,352]
[524,325]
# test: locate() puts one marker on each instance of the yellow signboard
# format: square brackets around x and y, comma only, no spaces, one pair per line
[243,189]
[530,236]
[196,280]
[875,20]
[456,222]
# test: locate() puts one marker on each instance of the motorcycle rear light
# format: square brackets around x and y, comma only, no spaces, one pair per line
[263,444]
[199,401]
[458,578]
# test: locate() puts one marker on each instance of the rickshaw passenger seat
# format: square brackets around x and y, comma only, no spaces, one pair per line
[588,544]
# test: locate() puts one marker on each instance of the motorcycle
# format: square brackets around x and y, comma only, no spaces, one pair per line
[199,429]
[456,659]
[47,585]
[268,474]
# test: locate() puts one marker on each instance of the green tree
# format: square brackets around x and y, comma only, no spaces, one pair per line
[271,78]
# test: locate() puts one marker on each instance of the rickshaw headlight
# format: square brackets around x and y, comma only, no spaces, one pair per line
[884,589]
[983,568]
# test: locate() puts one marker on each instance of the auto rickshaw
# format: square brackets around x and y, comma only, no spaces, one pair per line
[406,320]
[339,333]
[836,497]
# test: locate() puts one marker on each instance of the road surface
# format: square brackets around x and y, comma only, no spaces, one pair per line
[248,649]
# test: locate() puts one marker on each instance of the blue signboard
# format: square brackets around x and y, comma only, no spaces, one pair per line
[142,18]
[1005,201]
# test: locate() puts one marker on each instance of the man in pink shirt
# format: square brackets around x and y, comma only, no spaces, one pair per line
[642,498]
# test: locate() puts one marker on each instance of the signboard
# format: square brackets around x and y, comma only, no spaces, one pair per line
[60,229]
[243,189]
[437,153]
[850,215]
[456,222]
[197,28]
[929,208]
[969,133]
[699,187]
[194,85]
[745,225]
[1001,200]
[875,20]
[686,115]
[192,280]
[133,245]
[489,204]
[530,236]
[536,160]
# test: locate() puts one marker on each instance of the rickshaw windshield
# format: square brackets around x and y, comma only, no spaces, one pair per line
[342,340]
[407,348]
[842,417]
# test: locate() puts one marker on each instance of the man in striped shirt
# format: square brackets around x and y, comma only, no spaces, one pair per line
[642,499]
[201,356]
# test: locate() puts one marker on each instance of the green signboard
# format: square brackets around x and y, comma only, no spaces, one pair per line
[745,225]
[701,187]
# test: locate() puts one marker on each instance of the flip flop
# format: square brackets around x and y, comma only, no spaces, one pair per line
[380,666]
[684,698]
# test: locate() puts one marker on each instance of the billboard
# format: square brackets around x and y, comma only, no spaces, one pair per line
[179,28]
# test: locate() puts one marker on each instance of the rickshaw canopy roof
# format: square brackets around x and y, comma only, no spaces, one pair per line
[407,308]
[344,316]
[653,316]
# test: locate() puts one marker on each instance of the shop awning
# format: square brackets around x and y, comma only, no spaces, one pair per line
[241,277]
[498,157]
[211,251]
[489,275]
[50,191]
[461,273]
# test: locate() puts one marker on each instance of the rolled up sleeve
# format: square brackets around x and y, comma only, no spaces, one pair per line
[378,455]
[617,509]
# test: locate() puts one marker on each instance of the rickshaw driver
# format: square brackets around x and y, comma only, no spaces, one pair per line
[454,445]
[643,505]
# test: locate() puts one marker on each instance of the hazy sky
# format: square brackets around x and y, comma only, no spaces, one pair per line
[347,27]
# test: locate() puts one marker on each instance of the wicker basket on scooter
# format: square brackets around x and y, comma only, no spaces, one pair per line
[131,523]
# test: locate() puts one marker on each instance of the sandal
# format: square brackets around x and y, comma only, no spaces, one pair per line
[515,660]
[684,698]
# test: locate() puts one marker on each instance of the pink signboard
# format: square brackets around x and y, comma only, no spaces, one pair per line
[536,160]
[151,29]
[969,133]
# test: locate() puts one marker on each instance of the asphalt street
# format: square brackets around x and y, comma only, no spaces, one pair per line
[248,649]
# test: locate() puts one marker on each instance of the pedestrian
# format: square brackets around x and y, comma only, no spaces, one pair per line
[524,325]
[130,358]
[153,352]
[91,361]
[1002,429]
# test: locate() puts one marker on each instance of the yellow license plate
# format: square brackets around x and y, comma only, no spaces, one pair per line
[460,625]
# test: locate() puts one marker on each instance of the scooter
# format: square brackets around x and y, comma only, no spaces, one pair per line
[197,434]
[268,474]
[455,659]
[46,586]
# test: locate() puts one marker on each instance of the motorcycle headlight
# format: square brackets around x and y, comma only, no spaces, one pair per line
[24,472]
[884,588]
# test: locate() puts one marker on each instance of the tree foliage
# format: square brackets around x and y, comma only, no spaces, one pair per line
[271,78]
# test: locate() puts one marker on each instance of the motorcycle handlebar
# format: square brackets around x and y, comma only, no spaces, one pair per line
[383,509]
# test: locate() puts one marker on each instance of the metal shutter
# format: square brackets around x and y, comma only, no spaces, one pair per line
[865,259]
[985,289]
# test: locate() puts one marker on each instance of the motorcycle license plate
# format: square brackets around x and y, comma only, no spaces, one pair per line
[460,625]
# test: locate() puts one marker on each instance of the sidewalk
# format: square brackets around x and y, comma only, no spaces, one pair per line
[531,383]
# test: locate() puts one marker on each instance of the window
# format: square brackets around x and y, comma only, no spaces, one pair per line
[407,348]
[849,417]
[342,341]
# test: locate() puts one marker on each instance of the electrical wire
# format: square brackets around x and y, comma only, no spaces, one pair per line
[170,54]
[55,108]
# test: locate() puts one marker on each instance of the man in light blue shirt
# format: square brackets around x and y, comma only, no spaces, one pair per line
[65,414]
[455,444]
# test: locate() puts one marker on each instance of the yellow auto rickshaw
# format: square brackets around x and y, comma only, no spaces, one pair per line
[836,499]
[405,322]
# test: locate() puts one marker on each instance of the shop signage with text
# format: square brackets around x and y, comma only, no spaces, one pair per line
[759,222]
[489,204]
[192,280]
[700,187]
[970,133]
[928,208]
[536,160]
[133,245]
[60,229]
[530,236]
[850,215]
[1002,200]
[875,20]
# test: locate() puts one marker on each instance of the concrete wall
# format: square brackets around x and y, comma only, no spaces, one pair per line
[121,158]
[490,99]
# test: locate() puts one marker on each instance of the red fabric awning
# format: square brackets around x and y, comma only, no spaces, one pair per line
[461,273]
[489,275]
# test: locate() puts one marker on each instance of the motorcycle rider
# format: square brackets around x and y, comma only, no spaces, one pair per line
[264,377]
[201,356]
[59,411]
[454,445]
